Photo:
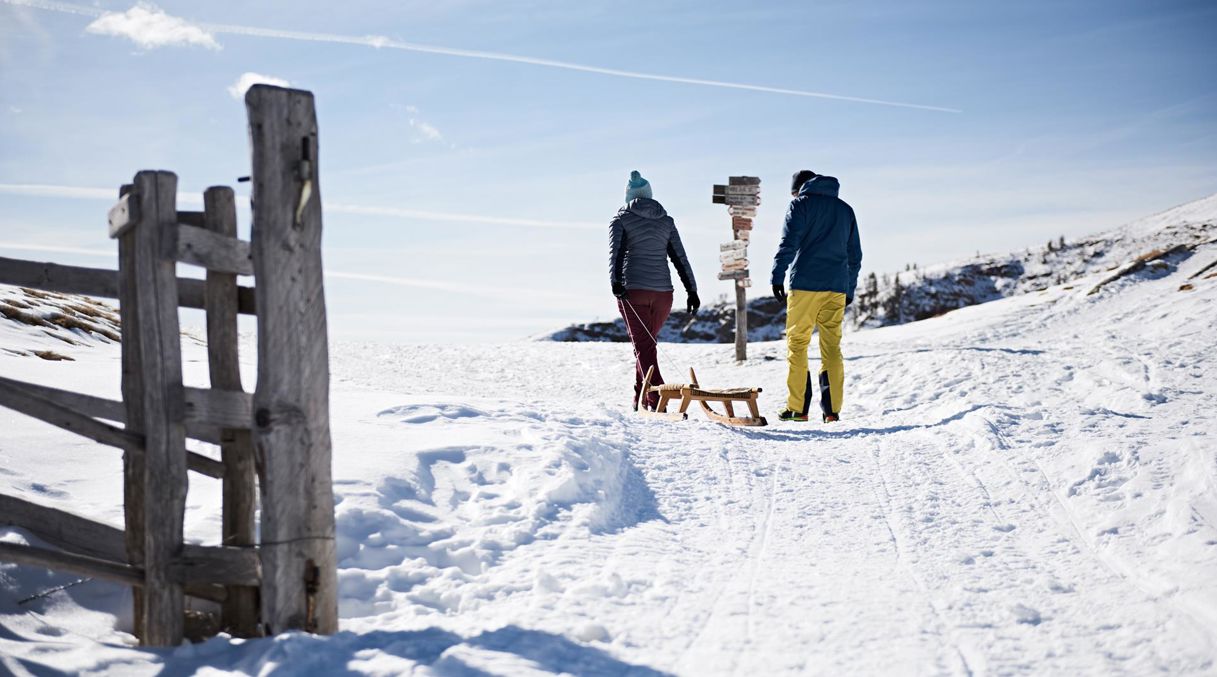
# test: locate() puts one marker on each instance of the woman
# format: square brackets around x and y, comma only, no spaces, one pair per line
[642,237]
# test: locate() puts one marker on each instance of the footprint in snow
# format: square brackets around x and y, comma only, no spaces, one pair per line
[1026,615]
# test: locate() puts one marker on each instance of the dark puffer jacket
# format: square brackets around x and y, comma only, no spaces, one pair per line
[821,240]
[642,238]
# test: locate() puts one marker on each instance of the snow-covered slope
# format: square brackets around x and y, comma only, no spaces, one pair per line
[1027,486]
[920,293]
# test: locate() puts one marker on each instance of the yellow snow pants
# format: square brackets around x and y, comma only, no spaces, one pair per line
[807,311]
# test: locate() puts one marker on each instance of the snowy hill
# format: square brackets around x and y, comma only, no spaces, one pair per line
[916,294]
[1025,486]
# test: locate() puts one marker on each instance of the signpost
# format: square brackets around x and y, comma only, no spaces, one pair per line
[742,195]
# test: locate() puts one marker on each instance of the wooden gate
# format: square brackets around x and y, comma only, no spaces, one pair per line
[278,439]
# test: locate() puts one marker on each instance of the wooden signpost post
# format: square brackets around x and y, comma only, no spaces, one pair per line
[742,194]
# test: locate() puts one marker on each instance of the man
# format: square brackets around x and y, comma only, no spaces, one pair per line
[821,240]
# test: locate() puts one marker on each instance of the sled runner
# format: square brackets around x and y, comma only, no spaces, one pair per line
[688,393]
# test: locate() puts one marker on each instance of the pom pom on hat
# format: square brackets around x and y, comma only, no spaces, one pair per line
[637,187]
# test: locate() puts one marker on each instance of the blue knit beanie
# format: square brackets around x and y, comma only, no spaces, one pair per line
[637,187]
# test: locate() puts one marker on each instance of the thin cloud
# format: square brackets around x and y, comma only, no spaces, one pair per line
[494,292]
[382,42]
[247,80]
[108,194]
[150,27]
[491,292]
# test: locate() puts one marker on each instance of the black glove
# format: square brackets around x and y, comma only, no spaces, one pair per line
[780,292]
[619,291]
[848,300]
[694,303]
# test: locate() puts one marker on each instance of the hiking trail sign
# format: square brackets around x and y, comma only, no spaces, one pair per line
[741,195]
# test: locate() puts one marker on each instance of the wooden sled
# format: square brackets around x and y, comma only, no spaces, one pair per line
[688,393]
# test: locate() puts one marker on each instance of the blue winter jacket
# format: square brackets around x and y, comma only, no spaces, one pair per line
[821,239]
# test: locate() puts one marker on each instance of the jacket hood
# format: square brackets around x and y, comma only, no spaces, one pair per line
[646,207]
[821,185]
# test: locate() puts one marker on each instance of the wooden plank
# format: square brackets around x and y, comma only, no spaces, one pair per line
[59,278]
[734,256]
[747,212]
[94,567]
[191,294]
[33,401]
[133,412]
[77,564]
[17,398]
[291,403]
[213,251]
[733,275]
[218,408]
[240,611]
[122,215]
[100,282]
[743,181]
[239,567]
[744,190]
[735,265]
[189,218]
[96,407]
[733,245]
[165,439]
[64,530]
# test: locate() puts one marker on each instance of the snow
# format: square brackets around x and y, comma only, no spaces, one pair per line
[1026,486]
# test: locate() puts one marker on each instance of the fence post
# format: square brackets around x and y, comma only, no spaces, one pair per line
[240,609]
[291,403]
[160,347]
[133,402]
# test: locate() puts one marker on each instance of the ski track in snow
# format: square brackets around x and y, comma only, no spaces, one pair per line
[1023,487]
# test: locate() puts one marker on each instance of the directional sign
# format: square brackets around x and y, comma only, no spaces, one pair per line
[733,275]
[747,212]
[744,181]
[743,235]
[726,246]
[720,189]
[741,223]
[736,200]
[733,255]
[741,264]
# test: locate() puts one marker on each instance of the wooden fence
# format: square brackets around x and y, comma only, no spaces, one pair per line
[282,576]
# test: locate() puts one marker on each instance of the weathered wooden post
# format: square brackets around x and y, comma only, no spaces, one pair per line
[133,399]
[240,609]
[291,403]
[155,278]
[742,194]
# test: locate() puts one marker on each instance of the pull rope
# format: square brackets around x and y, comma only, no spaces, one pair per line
[654,340]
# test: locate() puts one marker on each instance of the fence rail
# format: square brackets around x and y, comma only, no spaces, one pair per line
[276,438]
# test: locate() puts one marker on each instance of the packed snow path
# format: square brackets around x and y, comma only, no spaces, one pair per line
[1023,487]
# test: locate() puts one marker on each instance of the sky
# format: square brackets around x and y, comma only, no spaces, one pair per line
[473,152]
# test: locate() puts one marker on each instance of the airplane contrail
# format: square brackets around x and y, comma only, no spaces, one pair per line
[382,42]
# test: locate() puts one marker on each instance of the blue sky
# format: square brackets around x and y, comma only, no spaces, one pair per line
[467,196]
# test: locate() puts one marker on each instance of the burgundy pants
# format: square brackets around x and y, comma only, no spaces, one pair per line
[645,312]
